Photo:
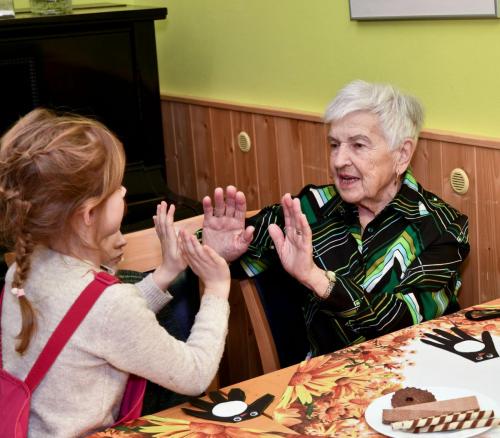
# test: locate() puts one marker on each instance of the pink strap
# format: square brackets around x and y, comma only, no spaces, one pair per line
[131,405]
[67,327]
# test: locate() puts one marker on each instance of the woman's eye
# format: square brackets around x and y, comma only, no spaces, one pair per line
[358,145]
[334,145]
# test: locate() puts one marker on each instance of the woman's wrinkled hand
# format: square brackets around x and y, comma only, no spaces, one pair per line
[294,247]
[173,262]
[211,268]
[224,223]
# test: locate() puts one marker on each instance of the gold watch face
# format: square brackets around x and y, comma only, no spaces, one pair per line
[330,275]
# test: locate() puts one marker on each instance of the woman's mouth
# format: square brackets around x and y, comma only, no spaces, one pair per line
[347,180]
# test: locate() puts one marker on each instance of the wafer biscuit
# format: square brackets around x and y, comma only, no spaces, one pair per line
[441,419]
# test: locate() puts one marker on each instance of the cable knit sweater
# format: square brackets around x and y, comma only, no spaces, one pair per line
[82,391]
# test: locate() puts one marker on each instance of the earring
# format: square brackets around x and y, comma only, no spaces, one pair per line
[396,179]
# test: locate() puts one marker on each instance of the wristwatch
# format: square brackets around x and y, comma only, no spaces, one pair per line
[332,278]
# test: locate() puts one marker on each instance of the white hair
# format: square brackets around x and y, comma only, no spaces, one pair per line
[401,116]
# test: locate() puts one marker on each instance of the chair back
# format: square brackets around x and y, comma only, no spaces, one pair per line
[275,302]
[260,325]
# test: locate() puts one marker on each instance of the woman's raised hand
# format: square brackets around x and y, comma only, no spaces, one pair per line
[211,268]
[294,248]
[173,262]
[224,223]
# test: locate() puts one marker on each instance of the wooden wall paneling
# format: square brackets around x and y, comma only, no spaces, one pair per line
[267,160]
[315,151]
[246,162]
[426,165]
[171,156]
[222,141]
[203,151]
[185,152]
[289,152]
[488,205]
[464,157]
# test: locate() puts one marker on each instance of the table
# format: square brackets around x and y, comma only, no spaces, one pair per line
[328,395]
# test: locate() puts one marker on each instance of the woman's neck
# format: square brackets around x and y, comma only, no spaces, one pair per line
[368,211]
[365,216]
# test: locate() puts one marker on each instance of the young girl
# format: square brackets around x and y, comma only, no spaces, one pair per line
[61,200]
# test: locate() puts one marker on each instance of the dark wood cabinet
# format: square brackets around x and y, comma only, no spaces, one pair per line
[99,61]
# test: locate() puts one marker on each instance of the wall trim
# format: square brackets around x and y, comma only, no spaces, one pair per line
[253,109]
[426,134]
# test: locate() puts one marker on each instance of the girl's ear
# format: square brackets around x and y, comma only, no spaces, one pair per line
[88,213]
[405,154]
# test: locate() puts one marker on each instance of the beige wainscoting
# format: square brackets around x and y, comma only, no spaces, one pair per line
[289,150]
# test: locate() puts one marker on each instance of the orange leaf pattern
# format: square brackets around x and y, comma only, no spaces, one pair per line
[328,395]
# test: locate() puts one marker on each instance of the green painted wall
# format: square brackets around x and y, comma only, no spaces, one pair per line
[296,54]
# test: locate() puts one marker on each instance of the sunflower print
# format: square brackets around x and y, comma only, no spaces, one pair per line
[328,395]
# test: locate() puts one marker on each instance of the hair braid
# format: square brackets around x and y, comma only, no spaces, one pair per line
[24,249]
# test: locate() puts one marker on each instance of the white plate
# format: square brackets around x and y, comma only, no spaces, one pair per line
[373,413]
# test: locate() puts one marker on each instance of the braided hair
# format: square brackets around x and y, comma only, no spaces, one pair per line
[50,165]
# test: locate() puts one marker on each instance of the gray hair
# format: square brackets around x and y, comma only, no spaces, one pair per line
[401,116]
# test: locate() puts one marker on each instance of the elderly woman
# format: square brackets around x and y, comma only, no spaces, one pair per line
[376,250]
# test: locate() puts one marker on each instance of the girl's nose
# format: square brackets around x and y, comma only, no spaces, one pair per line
[120,242]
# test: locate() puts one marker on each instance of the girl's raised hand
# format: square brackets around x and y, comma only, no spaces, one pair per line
[211,268]
[173,262]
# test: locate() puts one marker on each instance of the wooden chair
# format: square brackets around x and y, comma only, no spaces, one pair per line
[260,325]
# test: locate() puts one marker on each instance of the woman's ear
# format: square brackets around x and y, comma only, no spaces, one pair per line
[405,154]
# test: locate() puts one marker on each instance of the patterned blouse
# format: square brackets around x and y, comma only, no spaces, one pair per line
[403,269]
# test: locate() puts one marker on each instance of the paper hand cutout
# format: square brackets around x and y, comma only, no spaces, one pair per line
[459,342]
[232,409]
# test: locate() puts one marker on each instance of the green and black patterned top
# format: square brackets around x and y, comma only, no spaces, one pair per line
[403,268]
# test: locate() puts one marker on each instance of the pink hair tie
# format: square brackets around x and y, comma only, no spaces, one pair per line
[17,292]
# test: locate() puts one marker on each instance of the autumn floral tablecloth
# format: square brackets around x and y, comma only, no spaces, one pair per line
[328,395]
[160,427]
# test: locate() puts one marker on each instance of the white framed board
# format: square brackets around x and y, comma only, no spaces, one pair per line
[414,9]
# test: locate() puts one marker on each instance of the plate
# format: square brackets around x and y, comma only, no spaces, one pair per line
[373,414]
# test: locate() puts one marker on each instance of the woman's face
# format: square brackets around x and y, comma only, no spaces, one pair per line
[362,165]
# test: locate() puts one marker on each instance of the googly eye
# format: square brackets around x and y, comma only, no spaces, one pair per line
[489,356]
[237,419]
[254,414]
[479,358]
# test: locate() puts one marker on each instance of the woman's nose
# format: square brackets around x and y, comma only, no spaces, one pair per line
[340,156]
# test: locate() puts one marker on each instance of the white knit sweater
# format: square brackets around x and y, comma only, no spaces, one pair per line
[82,391]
